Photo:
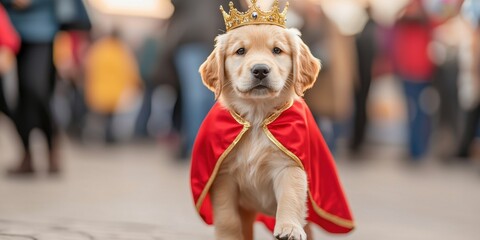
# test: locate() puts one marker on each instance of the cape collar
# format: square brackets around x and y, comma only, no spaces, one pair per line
[267,120]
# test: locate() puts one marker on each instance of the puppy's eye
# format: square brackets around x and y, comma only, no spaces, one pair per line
[240,51]
[277,50]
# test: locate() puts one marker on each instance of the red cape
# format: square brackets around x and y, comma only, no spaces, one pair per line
[294,131]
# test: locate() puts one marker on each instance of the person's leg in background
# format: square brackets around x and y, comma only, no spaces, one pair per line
[419,122]
[24,117]
[361,96]
[35,80]
[327,128]
[109,129]
[48,125]
[141,123]
[3,102]
[469,132]
[79,112]
[196,98]
[366,52]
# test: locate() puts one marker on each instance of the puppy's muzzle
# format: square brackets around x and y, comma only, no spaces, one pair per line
[260,71]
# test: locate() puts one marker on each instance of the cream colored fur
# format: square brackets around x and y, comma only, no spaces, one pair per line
[257,177]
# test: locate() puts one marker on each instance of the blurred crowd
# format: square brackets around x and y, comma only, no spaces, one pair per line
[73,74]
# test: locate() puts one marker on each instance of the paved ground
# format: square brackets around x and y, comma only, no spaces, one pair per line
[136,191]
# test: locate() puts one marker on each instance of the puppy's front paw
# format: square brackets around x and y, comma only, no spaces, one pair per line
[289,232]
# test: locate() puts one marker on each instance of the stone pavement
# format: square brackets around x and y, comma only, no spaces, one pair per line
[84,230]
[136,191]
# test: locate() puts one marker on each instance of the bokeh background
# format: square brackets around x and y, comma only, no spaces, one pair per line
[101,100]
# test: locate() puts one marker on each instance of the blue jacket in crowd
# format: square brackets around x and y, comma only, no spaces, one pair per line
[37,23]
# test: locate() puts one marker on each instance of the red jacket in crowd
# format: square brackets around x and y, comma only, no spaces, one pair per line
[8,36]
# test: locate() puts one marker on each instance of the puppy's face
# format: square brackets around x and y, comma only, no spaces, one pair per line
[259,62]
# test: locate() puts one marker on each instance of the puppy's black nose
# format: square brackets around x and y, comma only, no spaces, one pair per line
[260,71]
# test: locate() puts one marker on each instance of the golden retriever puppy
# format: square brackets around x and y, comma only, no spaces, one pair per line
[255,71]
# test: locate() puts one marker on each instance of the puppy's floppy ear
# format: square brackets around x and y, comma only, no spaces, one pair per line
[213,70]
[305,66]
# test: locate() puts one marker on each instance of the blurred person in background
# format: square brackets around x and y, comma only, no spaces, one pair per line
[413,64]
[36,22]
[469,78]
[147,61]
[329,99]
[70,49]
[412,34]
[454,56]
[156,115]
[366,49]
[9,45]
[446,43]
[193,27]
[112,80]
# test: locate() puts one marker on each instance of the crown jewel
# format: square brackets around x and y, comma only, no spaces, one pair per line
[254,15]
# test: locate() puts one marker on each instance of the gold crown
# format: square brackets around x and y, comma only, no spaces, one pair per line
[254,15]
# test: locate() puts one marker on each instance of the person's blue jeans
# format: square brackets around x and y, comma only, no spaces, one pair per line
[196,98]
[330,131]
[419,122]
[141,128]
